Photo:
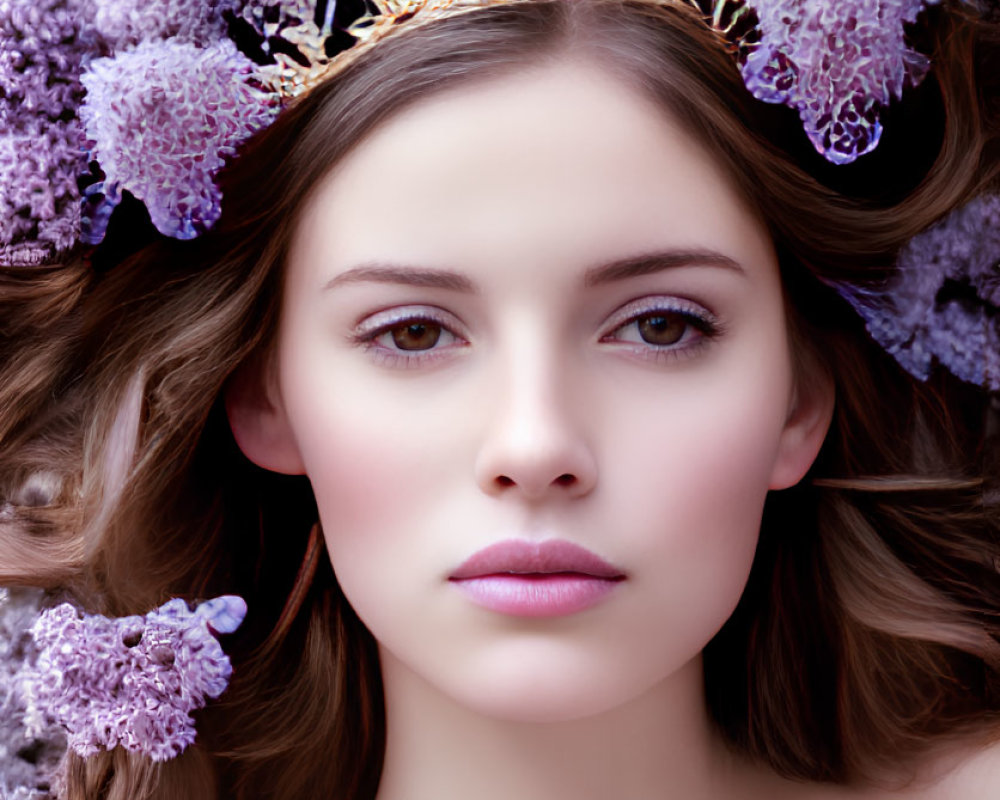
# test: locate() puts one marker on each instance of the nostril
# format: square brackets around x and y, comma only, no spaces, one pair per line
[566,479]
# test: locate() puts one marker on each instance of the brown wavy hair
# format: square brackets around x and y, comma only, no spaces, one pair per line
[868,632]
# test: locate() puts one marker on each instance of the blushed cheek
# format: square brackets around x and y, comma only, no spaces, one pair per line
[704,477]
[362,477]
[375,478]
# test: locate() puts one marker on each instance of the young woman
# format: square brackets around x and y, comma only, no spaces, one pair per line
[512,392]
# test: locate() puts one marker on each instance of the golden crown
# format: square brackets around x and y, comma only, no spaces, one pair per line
[292,78]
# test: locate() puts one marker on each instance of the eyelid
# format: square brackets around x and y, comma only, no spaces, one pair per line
[382,321]
[370,329]
[659,303]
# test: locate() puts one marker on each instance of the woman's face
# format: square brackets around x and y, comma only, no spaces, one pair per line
[533,309]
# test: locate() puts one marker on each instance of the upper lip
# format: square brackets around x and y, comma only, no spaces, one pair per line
[520,556]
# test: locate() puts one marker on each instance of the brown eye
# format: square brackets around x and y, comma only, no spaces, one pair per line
[662,328]
[416,335]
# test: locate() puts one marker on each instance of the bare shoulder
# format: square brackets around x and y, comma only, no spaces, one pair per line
[965,773]
[971,775]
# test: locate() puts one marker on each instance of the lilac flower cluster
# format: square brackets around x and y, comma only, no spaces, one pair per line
[130,682]
[25,764]
[837,62]
[21,793]
[162,113]
[42,48]
[161,118]
[944,303]
[39,200]
[127,22]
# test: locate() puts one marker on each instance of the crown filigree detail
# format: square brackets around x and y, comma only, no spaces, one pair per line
[836,63]
[291,77]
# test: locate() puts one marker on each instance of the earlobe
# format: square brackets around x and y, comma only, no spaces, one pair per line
[259,423]
[805,430]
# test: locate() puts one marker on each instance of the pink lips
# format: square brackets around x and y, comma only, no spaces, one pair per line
[536,579]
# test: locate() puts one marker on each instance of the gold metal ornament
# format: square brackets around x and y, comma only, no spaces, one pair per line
[733,20]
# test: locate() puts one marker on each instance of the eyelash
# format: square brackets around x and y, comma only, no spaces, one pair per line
[699,321]
[696,318]
[369,331]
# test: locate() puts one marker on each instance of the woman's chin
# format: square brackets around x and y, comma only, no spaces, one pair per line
[544,686]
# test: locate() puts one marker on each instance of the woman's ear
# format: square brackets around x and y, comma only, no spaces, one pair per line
[805,429]
[259,422]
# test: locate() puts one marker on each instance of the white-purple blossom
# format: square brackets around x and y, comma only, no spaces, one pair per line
[162,118]
[130,682]
[836,62]
[943,305]
[127,22]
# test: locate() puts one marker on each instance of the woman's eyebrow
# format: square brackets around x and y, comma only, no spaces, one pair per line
[411,276]
[649,263]
[621,269]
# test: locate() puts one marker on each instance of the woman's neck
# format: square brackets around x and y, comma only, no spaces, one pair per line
[660,740]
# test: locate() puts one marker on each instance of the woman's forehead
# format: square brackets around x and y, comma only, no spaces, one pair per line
[560,163]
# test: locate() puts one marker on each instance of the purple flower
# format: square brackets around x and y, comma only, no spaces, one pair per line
[130,682]
[944,302]
[125,22]
[42,45]
[837,62]
[39,200]
[162,118]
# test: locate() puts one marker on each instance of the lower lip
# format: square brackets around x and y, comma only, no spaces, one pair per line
[552,595]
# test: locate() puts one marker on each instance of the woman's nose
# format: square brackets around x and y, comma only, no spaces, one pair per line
[535,443]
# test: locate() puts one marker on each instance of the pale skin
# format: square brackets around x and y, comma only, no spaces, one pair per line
[512,221]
